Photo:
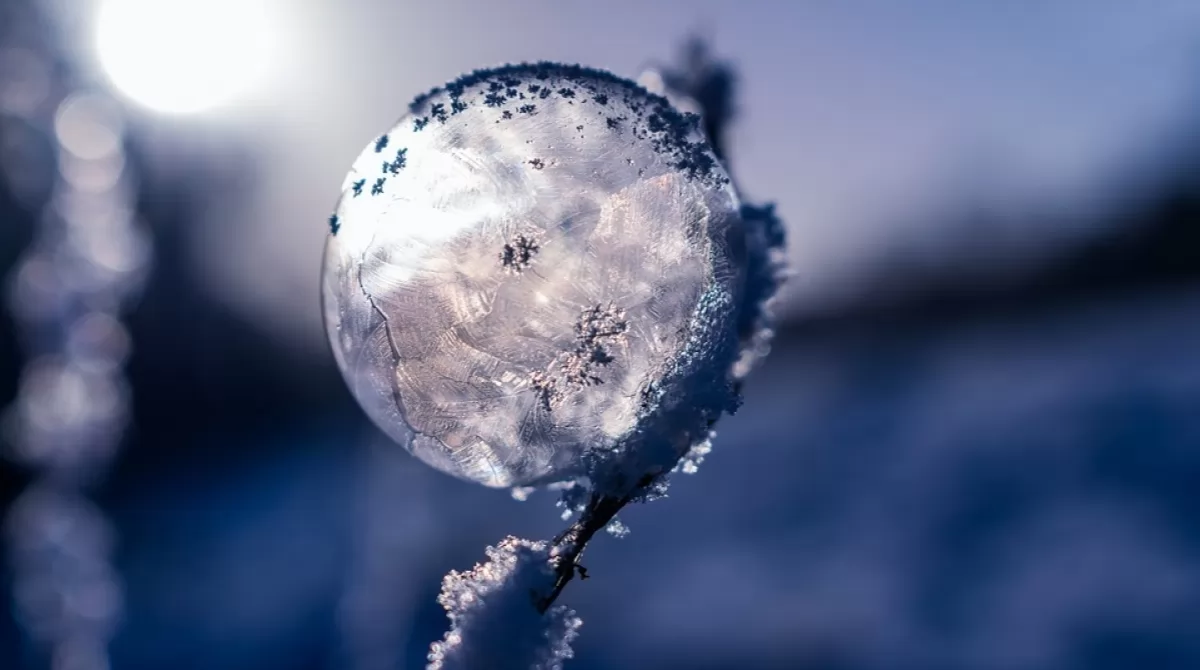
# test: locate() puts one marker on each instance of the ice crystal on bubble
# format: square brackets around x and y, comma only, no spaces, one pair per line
[536,294]
[517,255]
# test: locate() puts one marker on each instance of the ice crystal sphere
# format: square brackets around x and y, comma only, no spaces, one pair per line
[535,267]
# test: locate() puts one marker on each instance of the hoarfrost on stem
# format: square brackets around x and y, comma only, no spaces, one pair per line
[495,620]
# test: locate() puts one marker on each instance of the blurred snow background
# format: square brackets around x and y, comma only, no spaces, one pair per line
[976,445]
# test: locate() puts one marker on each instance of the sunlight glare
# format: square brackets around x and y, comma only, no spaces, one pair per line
[183,56]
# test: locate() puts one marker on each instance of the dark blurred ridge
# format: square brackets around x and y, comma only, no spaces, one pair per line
[1150,244]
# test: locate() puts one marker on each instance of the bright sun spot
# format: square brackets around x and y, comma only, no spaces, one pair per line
[183,56]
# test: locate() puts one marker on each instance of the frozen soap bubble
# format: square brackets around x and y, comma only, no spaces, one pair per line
[534,271]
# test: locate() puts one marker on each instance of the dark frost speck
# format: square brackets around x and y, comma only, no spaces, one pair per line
[674,136]
[397,163]
[517,255]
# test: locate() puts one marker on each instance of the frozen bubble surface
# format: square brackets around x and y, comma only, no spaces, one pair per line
[533,266]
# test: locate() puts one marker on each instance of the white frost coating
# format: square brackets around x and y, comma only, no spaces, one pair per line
[494,620]
[617,528]
[536,275]
[691,461]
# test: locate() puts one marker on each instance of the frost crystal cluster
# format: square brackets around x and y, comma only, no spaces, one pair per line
[538,268]
[494,618]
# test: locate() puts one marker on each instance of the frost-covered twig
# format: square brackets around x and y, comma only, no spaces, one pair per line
[502,612]
[569,545]
[496,620]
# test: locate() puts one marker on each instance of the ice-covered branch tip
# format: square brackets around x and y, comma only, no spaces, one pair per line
[568,547]
[502,612]
[496,617]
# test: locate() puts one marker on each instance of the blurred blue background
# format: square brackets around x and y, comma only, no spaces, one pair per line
[976,444]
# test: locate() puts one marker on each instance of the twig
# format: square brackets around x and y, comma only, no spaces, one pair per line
[569,545]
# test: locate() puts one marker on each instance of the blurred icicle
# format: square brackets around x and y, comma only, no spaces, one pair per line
[65,594]
[87,260]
